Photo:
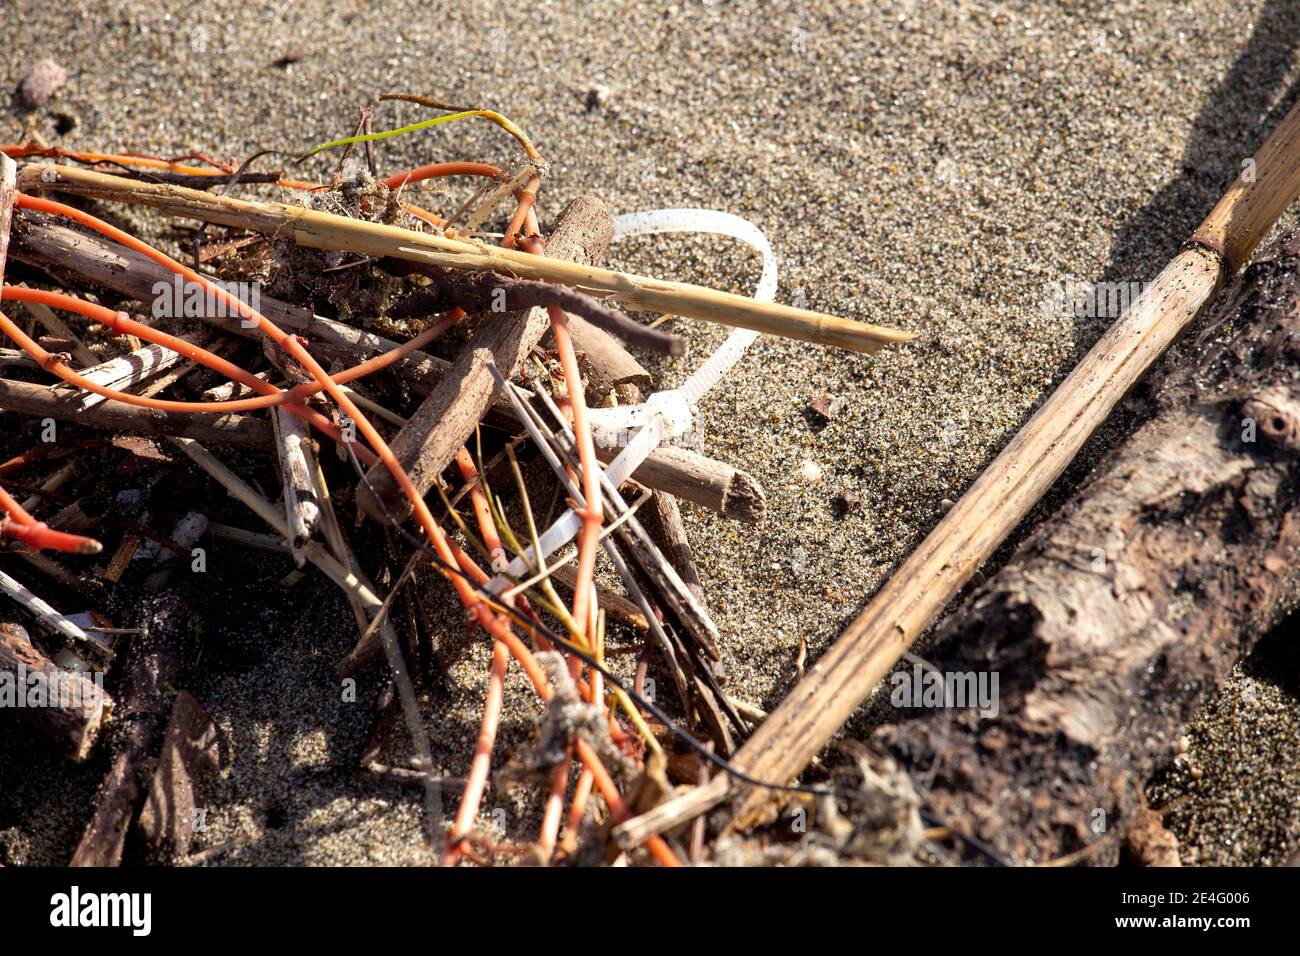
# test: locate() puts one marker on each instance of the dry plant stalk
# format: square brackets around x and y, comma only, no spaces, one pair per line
[320,230]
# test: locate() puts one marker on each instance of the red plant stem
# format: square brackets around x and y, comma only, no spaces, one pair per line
[436,170]
[554,808]
[523,212]
[577,810]
[21,526]
[476,780]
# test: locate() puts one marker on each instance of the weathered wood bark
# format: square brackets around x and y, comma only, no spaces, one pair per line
[1111,625]
[190,760]
[714,484]
[143,708]
[451,412]
[608,363]
[73,708]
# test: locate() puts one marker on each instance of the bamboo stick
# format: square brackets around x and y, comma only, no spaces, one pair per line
[321,230]
[973,528]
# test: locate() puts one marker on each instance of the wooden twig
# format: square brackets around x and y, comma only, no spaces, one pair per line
[973,528]
[608,363]
[50,320]
[125,371]
[50,618]
[144,703]
[8,195]
[241,431]
[74,707]
[187,768]
[294,449]
[322,230]
[451,412]
[715,485]
[477,292]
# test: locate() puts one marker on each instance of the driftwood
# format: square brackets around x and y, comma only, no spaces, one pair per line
[608,364]
[715,485]
[154,665]
[451,412]
[190,760]
[1000,498]
[91,259]
[73,708]
[1112,624]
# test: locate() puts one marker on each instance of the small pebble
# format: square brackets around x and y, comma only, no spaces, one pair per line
[597,95]
[822,409]
[810,470]
[42,82]
[849,501]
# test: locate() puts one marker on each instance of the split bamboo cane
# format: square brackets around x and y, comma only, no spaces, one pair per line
[967,536]
[321,230]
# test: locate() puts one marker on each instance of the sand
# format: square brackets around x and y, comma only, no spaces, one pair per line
[931,167]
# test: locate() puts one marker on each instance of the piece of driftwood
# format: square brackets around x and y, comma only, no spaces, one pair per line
[296,456]
[126,371]
[1000,498]
[321,230]
[608,364]
[72,707]
[242,431]
[693,477]
[667,518]
[187,768]
[144,703]
[448,416]
[91,259]
[1114,622]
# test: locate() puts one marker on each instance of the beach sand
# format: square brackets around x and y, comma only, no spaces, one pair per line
[933,167]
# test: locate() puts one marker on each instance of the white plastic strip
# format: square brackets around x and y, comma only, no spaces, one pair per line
[666,413]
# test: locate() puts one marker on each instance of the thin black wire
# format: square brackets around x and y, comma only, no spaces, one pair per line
[718,761]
